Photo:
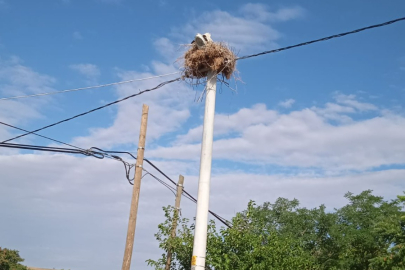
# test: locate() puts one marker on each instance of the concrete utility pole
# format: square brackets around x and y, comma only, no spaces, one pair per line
[200,234]
[175,217]
[126,264]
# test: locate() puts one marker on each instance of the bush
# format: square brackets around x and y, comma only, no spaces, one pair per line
[10,260]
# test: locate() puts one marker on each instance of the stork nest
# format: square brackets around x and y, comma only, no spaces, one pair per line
[213,56]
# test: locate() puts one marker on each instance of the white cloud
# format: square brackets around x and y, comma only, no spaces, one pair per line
[90,71]
[302,138]
[236,29]
[245,32]
[166,48]
[88,200]
[333,111]
[17,79]
[261,12]
[350,100]
[287,103]
[167,111]
[241,33]
[225,124]
[345,104]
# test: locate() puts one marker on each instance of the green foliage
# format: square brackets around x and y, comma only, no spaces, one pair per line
[253,244]
[367,233]
[10,260]
[391,231]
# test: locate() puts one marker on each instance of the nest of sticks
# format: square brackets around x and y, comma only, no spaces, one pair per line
[214,56]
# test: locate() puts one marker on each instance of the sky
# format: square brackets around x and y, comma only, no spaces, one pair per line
[310,123]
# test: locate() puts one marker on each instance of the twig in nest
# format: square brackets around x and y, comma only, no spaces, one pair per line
[213,56]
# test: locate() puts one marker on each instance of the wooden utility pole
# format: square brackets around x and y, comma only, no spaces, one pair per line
[175,217]
[126,264]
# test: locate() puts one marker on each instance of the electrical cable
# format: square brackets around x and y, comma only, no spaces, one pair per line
[185,193]
[80,150]
[45,137]
[100,154]
[87,152]
[95,109]
[188,195]
[127,169]
[161,182]
[322,39]
[89,87]
[52,149]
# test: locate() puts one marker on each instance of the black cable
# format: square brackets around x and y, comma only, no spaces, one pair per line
[162,182]
[185,193]
[45,148]
[127,166]
[116,152]
[191,198]
[90,152]
[162,173]
[45,137]
[93,110]
[102,154]
[322,39]
[188,195]
[120,152]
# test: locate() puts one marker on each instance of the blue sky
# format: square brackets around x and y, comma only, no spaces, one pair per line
[309,123]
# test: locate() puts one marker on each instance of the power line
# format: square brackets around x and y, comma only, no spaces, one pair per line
[77,150]
[188,195]
[89,152]
[89,87]
[167,82]
[95,109]
[172,189]
[322,39]
[185,193]
[39,135]
[100,154]
[53,149]
[80,150]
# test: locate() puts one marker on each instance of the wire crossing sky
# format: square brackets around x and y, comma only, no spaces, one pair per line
[90,87]
[93,110]
[164,83]
[323,39]
[311,124]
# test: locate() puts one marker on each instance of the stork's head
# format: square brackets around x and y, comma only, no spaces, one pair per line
[202,40]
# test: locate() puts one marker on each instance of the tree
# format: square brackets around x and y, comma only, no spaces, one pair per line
[247,245]
[10,260]
[367,233]
[391,231]
[254,243]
